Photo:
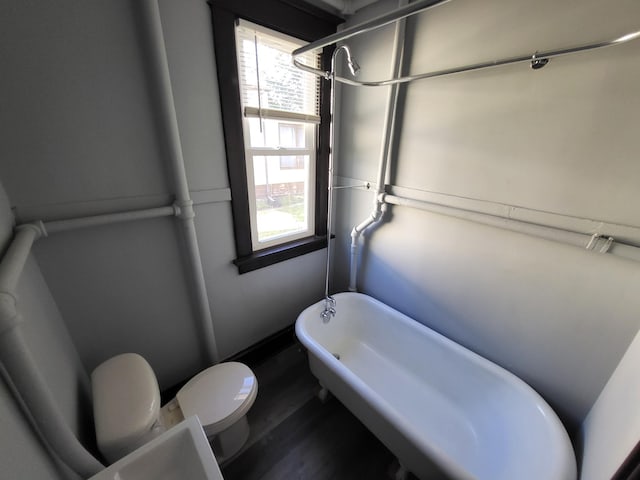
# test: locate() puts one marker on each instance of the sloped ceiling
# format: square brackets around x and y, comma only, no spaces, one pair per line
[343,8]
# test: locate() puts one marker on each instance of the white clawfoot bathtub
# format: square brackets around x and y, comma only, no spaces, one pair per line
[444,411]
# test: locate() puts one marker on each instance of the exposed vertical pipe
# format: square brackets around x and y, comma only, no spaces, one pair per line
[385,150]
[161,74]
[20,368]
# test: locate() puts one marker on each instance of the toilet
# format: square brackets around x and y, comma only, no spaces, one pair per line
[127,411]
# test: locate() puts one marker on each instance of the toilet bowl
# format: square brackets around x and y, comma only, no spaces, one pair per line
[127,411]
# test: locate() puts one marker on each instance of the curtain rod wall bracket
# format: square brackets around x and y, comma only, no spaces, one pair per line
[537,63]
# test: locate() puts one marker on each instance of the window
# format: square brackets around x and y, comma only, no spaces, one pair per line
[280,106]
[291,135]
[275,125]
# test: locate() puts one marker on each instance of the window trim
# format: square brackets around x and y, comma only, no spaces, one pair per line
[297,19]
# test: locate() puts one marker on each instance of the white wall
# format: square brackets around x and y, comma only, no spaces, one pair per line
[81,137]
[611,429]
[554,141]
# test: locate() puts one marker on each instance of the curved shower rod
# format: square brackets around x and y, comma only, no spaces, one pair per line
[537,59]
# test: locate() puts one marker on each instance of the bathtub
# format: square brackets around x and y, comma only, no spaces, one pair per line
[444,411]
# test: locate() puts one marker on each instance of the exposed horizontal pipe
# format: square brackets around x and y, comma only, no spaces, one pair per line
[69,211]
[485,218]
[577,238]
[56,226]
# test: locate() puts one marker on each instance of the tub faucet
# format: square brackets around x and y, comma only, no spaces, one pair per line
[329,309]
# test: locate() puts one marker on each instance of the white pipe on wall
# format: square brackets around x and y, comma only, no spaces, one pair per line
[20,369]
[23,373]
[18,365]
[160,64]
[16,256]
[488,219]
[56,226]
[355,236]
[385,150]
[586,240]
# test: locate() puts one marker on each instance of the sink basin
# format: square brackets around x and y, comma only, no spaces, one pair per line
[182,452]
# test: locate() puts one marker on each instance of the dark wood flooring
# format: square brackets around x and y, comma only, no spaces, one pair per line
[295,436]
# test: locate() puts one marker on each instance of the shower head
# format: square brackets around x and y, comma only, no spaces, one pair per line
[351,62]
[354,68]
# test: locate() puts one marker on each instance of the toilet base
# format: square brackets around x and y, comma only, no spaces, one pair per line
[228,442]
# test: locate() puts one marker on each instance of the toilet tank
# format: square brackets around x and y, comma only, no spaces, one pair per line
[126,404]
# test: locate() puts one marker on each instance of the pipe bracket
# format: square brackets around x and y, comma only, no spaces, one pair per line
[184,209]
[37,226]
[597,238]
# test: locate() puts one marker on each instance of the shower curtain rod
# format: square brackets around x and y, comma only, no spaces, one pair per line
[537,59]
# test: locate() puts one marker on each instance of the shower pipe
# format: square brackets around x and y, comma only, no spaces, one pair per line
[20,369]
[386,148]
[329,303]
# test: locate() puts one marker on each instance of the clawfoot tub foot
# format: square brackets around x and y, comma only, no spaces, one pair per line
[324,394]
[402,473]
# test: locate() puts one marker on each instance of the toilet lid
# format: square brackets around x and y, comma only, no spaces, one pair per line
[219,395]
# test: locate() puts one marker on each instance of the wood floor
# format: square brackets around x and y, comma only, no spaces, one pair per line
[295,436]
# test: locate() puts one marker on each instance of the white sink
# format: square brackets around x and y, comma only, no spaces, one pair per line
[182,452]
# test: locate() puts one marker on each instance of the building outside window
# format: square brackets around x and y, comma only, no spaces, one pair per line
[280,107]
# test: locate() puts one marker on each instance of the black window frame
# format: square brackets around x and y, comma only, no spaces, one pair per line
[300,20]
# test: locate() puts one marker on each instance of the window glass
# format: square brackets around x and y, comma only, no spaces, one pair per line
[280,109]
[281,197]
[267,74]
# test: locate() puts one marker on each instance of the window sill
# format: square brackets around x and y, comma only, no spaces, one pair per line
[279,253]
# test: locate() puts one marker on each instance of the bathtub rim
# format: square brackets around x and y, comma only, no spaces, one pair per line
[560,441]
